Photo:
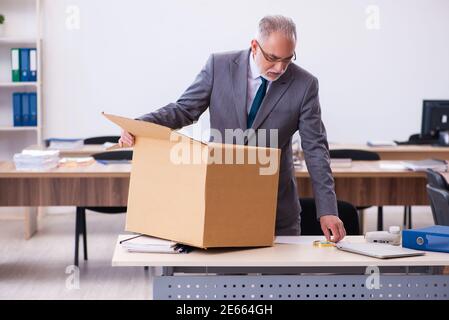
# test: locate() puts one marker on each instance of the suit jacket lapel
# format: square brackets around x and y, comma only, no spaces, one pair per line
[239,76]
[273,95]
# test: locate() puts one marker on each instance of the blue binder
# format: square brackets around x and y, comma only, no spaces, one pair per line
[33,64]
[25,110]
[17,109]
[434,238]
[24,64]
[32,99]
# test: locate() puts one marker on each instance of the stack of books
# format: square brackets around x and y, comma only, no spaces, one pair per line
[423,165]
[36,160]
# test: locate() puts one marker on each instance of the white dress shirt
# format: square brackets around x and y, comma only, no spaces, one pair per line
[254,82]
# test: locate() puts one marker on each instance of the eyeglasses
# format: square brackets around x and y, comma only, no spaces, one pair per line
[273,58]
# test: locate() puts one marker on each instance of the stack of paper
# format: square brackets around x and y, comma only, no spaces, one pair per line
[423,165]
[341,163]
[65,144]
[380,143]
[76,161]
[335,163]
[36,160]
[143,243]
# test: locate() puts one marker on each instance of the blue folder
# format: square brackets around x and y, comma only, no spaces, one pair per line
[26,116]
[17,109]
[32,99]
[33,64]
[24,64]
[435,238]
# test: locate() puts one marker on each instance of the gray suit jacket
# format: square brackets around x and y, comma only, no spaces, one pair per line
[290,104]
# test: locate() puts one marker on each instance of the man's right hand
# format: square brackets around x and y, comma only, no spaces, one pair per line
[126,139]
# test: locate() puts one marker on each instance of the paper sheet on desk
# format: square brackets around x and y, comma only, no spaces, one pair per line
[392,166]
[296,240]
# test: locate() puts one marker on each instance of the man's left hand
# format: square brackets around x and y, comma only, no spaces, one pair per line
[334,224]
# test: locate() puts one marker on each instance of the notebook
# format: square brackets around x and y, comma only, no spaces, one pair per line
[142,243]
[378,250]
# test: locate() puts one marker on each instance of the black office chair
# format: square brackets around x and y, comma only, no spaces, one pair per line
[360,155]
[101,140]
[354,154]
[418,139]
[436,180]
[439,202]
[80,224]
[311,226]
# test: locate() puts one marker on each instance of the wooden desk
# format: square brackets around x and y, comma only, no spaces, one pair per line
[364,184]
[95,185]
[400,152]
[303,254]
[274,271]
[386,153]
[367,183]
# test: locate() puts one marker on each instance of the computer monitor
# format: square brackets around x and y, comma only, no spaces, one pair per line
[435,117]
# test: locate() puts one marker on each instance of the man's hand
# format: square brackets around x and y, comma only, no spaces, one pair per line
[333,223]
[126,139]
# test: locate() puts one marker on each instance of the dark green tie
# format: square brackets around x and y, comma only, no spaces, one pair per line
[257,102]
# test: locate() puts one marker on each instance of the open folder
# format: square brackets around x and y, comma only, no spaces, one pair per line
[142,243]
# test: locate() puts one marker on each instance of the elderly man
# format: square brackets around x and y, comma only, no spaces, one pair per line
[261,88]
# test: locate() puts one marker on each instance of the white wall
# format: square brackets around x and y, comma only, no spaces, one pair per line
[130,57]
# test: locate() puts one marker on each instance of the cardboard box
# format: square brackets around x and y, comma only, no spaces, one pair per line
[192,198]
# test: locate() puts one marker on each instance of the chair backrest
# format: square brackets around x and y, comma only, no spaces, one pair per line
[354,154]
[101,140]
[436,180]
[439,202]
[114,155]
[311,226]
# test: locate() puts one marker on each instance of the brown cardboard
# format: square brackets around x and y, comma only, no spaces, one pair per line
[201,204]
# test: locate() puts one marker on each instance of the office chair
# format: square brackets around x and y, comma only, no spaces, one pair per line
[360,155]
[436,180]
[418,139]
[80,223]
[101,139]
[311,226]
[439,202]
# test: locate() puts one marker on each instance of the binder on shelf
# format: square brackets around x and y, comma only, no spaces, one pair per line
[17,109]
[33,65]
[32,99]
[25,109]
[15,65]
[24,64]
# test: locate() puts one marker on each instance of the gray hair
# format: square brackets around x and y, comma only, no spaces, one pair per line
[276,23]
